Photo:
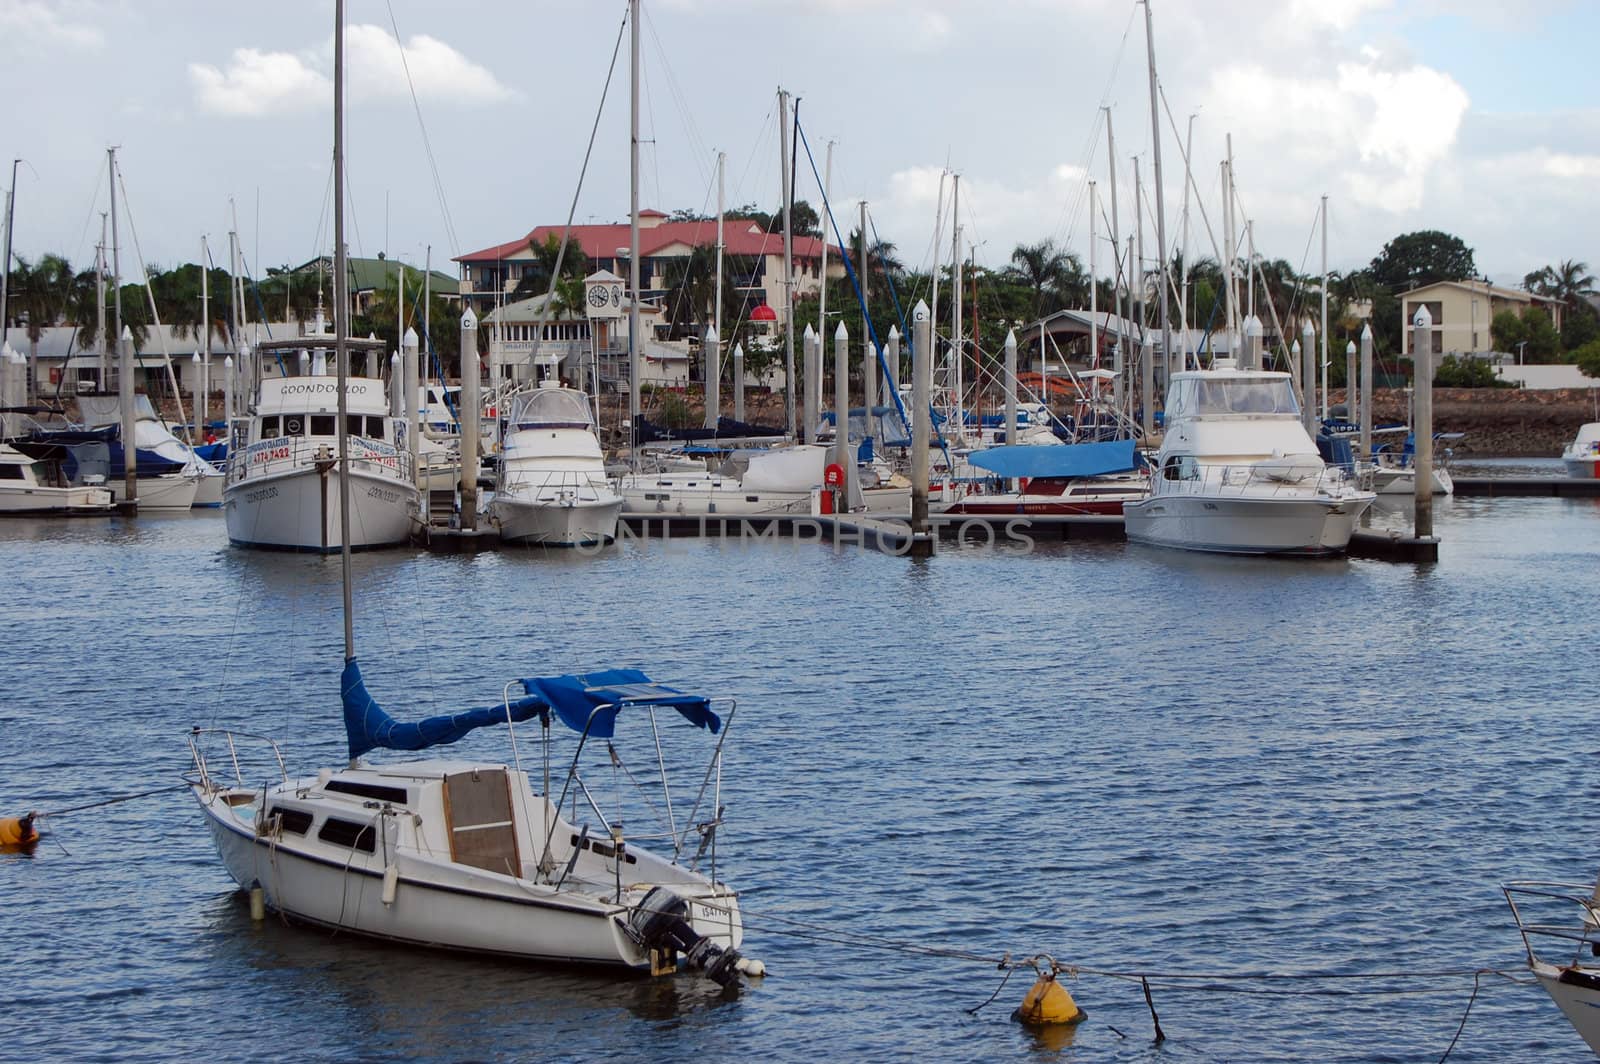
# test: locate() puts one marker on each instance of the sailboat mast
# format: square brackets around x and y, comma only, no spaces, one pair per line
[633,234]
[205,349]
[100,301]
[711,353]
[788,263]
[1324,334]
[1119,344]
[956,352]
[125,386]
[341,326]
[5,268]
[1161,212]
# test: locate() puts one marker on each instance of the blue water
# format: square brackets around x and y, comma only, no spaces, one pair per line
[1136,760]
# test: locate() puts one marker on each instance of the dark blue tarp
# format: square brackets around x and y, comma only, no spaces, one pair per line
[1064,460]
[575,699]
[368,727]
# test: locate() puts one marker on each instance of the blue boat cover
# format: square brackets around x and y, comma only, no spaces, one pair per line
[576,698]
[1065,460]
[368,727]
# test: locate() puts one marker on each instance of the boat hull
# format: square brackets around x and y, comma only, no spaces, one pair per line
[1403,481]
[557,524]
[32,501]
[299,511]
[170,493]
[208,495]
[1583,469]
[1577,994]
[1245,526]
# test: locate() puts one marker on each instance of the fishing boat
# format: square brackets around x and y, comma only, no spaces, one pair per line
[552,487]
[1238,473]
[466,855]
[283,490]
[1582,455]
[33,485]
[1562,920]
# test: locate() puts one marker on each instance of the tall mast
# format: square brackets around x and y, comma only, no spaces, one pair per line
[100,301]
[341,326]
[1147,363]
[1161,213]
[1230,244]
[788,263]
[125,363]
[5,267]
[822,274]
[716,307]
[205,349]
[1183,290]
[633,234]
[1118,385]
[957,355]
[710,352]
[1325,319]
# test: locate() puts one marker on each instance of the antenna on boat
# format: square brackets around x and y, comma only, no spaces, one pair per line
[341,326]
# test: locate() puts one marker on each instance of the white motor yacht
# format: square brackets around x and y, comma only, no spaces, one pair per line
[33,486]
[552,487]
[283,481]
[1238,473]
[745,483]
[1582,455]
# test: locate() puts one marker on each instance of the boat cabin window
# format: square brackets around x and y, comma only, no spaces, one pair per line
[294,821]
[552,408]
[349,833]
[397,795]
[1180,467]
[11,472]
[1245,395]
[269,426]
[294,425]
[323,424]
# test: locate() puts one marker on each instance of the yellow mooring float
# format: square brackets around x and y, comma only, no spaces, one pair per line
[17,832]
[1047,1003]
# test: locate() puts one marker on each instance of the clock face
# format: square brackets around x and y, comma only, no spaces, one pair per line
[598,296]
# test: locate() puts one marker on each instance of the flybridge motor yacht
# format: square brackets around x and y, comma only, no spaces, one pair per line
[484,856]
[1238,473]
[553,487]
[283,481]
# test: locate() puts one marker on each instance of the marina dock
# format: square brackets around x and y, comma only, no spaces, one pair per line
[1545,487]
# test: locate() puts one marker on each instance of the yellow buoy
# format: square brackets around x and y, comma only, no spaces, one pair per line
[18,831]
[1047,1002]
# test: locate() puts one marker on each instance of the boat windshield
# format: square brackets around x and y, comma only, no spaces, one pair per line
[552,408]
[1247,395]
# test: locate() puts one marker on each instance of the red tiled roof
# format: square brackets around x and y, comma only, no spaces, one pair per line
[740,237]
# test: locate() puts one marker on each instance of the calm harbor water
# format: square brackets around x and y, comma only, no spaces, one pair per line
[1136,760]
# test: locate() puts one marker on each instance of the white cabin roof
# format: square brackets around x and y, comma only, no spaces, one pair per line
[298,395]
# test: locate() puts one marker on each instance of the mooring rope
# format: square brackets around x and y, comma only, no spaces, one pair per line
[111,801]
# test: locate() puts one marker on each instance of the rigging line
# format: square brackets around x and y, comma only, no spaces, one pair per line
[155,314]
[112,801]
[692,133]
[572,210]
[427,145]
[894,297]
[94,201]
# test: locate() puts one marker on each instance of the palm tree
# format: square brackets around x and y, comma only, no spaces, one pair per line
[41,291]
[1046,268]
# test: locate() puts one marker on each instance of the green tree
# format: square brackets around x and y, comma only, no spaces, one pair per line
[1579,326]
[1544,343]
[1507,330]
[1424,257]
[1588,358]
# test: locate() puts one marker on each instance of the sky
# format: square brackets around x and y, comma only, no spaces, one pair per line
[467,122]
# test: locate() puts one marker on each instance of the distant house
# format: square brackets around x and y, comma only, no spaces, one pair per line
[754,255]
[368,277]
[1462,311]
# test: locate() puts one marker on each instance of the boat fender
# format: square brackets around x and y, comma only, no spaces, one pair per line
[391,883]
[1047,1003]
[18,830]
[750,966]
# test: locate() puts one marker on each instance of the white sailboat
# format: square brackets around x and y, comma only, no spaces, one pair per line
[1563,921]
[1237,472]
[552,488]
[465,855]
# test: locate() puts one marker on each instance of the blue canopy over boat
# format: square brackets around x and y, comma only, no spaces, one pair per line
[574,699]
[1066,460]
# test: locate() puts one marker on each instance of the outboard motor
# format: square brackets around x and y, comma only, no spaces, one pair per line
[662,922]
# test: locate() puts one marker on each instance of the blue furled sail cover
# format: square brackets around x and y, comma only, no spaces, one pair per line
[1049,460]
[576,698]
[368,727]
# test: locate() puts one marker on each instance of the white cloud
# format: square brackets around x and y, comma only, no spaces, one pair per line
[1572,166]
[257,83]
[53,23]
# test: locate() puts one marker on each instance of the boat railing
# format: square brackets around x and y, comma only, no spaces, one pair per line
[198,749]
[1251,478]
[569,484]
[289,453]
[1578,928]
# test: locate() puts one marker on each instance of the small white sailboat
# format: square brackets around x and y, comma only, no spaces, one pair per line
[465,855]
[552,487]
[1237,472]
[1562,920]
[1582,455]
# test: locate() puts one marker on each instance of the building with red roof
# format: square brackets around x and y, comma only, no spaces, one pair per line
[753,257]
